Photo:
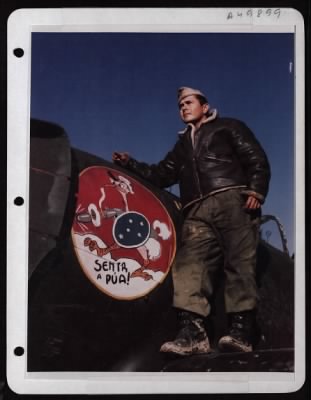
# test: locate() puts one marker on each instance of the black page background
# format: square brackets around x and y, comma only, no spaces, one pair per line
[6,8]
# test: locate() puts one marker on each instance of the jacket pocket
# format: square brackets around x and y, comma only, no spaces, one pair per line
[214,157]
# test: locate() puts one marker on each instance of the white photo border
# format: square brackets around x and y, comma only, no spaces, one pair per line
[21,24]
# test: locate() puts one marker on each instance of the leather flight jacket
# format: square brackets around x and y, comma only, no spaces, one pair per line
[226,154]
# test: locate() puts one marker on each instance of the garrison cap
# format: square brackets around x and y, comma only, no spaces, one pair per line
[187,91]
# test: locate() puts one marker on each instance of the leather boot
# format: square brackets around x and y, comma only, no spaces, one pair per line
[191,338]
[241,333]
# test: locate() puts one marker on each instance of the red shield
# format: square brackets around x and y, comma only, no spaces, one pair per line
[123,236]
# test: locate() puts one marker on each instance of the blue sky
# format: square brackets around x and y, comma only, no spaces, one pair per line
[118,91]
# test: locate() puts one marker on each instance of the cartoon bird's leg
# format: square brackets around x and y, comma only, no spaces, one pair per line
[101,251]
[140,272]
[143,252]
[114,246]
[92,245]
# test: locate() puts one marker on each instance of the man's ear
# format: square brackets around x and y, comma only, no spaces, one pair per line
[205,108]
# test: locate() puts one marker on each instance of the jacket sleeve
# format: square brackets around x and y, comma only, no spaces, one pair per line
[253,160]
[163,174]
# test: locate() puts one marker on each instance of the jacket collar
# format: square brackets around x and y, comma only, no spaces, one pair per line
[211,116]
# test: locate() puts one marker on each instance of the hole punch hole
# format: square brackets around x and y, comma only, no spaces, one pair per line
[18,52]
[18,201]
[19,351]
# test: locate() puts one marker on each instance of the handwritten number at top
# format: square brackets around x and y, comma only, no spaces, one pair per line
[255,13]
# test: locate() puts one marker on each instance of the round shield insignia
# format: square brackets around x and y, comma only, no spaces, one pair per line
[123,236]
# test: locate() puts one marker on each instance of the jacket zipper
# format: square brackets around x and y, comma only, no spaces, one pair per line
[196,175]
[194,161]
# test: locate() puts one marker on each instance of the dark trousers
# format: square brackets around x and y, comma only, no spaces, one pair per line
[217,233]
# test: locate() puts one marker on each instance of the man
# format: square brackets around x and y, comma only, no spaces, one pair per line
[223,174]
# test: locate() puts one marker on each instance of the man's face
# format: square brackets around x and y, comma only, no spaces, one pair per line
[191,110]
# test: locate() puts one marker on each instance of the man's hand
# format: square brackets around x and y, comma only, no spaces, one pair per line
[120,158]
[252,203]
